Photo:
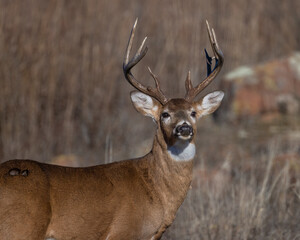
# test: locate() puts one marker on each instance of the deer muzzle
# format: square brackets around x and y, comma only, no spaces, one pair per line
[184,130]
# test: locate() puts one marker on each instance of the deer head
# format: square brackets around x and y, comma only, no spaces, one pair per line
[176,118]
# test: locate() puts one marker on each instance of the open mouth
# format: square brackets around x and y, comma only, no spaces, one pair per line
[184,137]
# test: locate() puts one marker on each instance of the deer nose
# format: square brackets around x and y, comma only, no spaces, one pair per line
[184,130]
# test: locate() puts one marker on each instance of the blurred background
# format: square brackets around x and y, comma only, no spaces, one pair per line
[64,99]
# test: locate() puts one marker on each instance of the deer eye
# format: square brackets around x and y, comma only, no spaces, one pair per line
[193,114]
[165,115]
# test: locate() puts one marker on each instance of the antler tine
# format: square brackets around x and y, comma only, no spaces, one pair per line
[192,92]
[188,82]
[129,64]
[157,91]
[129,45]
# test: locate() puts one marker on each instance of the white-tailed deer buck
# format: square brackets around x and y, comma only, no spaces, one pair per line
[131,199]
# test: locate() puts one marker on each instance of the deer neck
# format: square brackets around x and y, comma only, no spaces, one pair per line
[174,162]
[172,171]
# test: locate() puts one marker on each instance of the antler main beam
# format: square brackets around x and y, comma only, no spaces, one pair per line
[192,92]
[129,64]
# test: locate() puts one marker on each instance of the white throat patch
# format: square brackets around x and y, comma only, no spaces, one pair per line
[182,151]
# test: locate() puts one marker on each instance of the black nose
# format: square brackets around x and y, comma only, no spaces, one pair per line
[184,130]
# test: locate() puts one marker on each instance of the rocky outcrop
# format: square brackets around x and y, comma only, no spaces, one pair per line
[269,88]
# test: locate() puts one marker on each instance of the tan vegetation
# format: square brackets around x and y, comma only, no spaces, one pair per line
[62,88]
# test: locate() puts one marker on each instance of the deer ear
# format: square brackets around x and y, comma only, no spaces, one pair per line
[145,104]
[209,103]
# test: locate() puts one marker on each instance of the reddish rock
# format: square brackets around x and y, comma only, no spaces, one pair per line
[272,87]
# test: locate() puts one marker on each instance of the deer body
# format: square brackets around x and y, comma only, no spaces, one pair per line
[133,199]
[129,187]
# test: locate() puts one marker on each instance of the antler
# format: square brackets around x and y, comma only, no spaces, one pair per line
[192,92]
[129,64]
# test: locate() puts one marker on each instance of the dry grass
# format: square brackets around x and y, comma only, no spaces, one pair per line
[62,91]
[260,202]
[243,188]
